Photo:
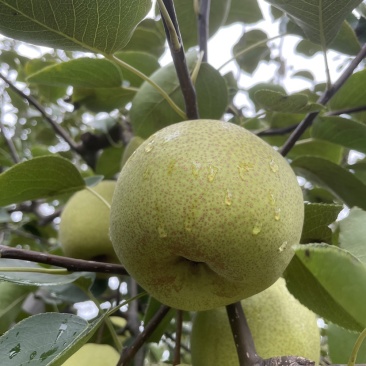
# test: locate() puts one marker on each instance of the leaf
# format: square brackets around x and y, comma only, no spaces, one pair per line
[338,180]
[330,282]
[42,177]
[340,345]
[341,131]
[263,86]
[34,278]
[352,235]
[76,25]
[11,300]
[109,161]
[249,60]
[187,19]
[150,111]
[351,95]
[248,13]
[279,102]
[82,72]
[319,19]
[318,217]
[45,339]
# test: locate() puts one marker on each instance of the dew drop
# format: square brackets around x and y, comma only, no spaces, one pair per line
[149,146]
[162,232]
[271,198]
[273,166]
[32,355]
[212,171]
[257,228]
[14,351]
[282,247]
[277,214]
[243,168]
[228,198]
[171,166]
[196,167]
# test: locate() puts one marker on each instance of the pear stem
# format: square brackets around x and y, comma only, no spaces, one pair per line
[242,336]
[129,352]
[179,321]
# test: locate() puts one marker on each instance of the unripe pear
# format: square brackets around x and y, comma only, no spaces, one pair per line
[84,226]
[279,324]
[205,214]
[94,355]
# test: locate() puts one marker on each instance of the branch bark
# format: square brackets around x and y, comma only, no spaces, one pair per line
[71,264]
[178,338]
[180,62]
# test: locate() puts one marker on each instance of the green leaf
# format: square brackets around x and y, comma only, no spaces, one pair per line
[341,131]
[150,111]
[81,25]
[109,161]
[318,217]
[351,95]
[187,19]
[82,72]
[279,102]
[319,19]
[331,282]
[352,234]
[102,99]
[11,300]
[340,345]
[249,60]
[359,170]
[263,86]
[34,278]
[45,339]
[248,12]
[338,180]
[41,177]
[142,61]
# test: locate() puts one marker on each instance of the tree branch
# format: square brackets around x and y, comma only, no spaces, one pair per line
[179,59]
[324,99]
[203,26]
[13,151]
[242,336]
[277,131]
[129,352]
[71,264]
[178,338]
[33,102]
[347,111]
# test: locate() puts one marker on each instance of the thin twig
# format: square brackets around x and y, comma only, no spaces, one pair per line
[33,102]
[179,321]
[277,131]
[203,26]
[129,352]
[13,151]
[71,264]
[180,63]
[243,339]
[324,99]
[347,111]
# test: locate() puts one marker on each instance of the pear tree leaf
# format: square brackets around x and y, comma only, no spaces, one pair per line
[11,300]
[82,72]
[150,111]
[339,181]
[331,282]
[78,25]
[250,13]
[341,131]
[47,339]
[319,19]
[34,278]
[318,217]
[352,233]
[279,102]
[41,177]
[303,74]
[359,170]
[351,95]
[340,345]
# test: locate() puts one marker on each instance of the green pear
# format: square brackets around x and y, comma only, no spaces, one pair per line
[279,324]
[94,355]
[84,227]
[205,214]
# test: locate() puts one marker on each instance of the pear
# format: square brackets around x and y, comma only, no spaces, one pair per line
[279,324]
[205,214]
[84,226]
[94,355]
